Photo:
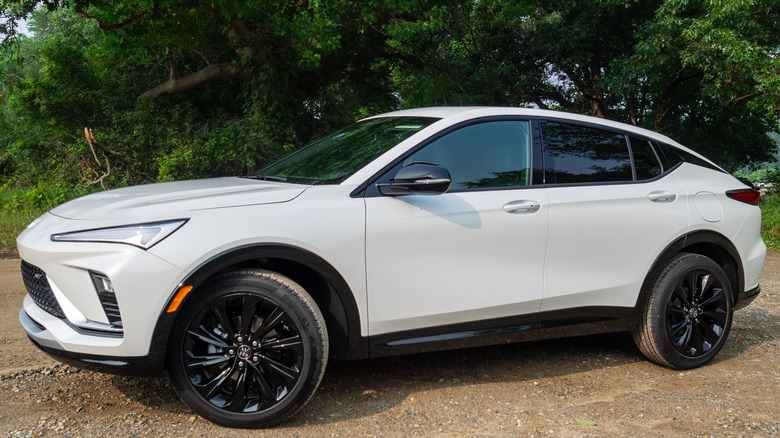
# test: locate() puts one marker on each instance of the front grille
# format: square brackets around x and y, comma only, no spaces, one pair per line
[38,287]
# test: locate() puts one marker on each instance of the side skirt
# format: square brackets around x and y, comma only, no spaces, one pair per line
[522,328]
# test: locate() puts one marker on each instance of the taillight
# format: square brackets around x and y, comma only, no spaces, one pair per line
[748,196]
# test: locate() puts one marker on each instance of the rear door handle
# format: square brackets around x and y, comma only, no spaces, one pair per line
[661,196]
[524,206]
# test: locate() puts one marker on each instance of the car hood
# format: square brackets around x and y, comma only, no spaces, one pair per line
[161,200]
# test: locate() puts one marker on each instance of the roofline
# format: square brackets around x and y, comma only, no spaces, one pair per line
[468,112]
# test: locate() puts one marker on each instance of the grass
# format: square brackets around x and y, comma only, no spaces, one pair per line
[18,207]
[11,224]
[770,221]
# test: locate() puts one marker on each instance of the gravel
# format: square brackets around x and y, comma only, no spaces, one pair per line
[576,387]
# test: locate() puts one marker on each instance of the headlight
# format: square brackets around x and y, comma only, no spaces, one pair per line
[141,235]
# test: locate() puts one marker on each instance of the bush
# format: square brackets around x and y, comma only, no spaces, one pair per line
[770,219]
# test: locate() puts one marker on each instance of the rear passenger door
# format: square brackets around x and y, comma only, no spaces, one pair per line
[613,209]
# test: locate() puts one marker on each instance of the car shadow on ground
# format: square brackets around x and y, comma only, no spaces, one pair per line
[354,389]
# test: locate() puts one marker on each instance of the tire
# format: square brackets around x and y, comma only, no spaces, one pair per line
[688,313]
[249,350]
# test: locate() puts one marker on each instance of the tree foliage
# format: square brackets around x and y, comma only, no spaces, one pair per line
[181,89]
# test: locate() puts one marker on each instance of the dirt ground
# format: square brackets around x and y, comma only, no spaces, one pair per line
[589,386]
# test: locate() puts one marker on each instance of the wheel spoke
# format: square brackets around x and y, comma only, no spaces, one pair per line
[717,295]
[238,400]
[289,374]
[266,392]
[682,294]
[212,387]
[682,343]
[203,334]
[702,287]
[292,343]
[708,331]
[677,328]
[693,286]
[695,346]
[198,361]
[274,319]
[223,319]
[716,315]
[249,311]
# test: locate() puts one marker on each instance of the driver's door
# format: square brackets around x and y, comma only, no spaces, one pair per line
[474,253]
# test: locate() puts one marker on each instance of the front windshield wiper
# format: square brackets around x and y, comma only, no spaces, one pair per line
[266,178]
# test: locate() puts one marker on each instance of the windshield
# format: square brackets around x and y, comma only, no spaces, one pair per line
[332,159]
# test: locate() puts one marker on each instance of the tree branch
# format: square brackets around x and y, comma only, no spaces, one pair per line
[110,27]
[210,73]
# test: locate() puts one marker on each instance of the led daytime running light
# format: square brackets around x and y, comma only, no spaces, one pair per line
[141,235]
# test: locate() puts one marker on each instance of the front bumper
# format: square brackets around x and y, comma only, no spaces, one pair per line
[152,364]
[81,323]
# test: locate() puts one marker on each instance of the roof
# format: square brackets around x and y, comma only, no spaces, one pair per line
[472,112]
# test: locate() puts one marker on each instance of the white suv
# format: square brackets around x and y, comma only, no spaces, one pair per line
[409,231]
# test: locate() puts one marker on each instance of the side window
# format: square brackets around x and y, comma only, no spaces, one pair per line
[669,155]
[485,155]
[645,161]
[583,154]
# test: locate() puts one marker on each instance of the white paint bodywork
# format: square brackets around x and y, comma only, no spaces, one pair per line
[411,262]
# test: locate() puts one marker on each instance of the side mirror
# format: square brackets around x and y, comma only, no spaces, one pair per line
[417,179]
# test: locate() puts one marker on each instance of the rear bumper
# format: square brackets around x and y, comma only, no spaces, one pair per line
[142,366]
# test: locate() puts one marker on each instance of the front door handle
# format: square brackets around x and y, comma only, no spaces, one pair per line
[524,206]
[661,196]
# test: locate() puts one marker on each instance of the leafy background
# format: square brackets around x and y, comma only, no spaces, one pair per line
[191,89]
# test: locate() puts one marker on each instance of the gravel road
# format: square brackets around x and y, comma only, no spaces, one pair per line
[588,386]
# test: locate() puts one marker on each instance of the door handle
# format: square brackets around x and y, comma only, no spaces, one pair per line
[522,206]
[661,196]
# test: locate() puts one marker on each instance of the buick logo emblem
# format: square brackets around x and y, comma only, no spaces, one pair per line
[244,352]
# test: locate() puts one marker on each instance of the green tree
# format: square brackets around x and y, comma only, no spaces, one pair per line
[704,72]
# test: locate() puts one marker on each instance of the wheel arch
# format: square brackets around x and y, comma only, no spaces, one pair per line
[706,243]
[320,280]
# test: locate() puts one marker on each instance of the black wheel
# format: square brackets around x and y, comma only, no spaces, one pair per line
[688,314]
[249,350]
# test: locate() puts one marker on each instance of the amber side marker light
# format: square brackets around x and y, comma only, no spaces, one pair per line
[748,196]
[178,298]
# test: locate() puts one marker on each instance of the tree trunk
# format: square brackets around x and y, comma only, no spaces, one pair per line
[185,83]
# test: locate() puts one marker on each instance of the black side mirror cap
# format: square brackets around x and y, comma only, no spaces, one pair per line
[417,179]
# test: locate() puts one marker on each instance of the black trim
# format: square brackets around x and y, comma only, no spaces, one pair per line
[537,154]
[521,328]
[92,332]
[334,297]
[747,297]
[463,335]
[701,242]
[139,366]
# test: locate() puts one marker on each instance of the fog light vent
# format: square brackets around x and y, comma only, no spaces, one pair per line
[105,292]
